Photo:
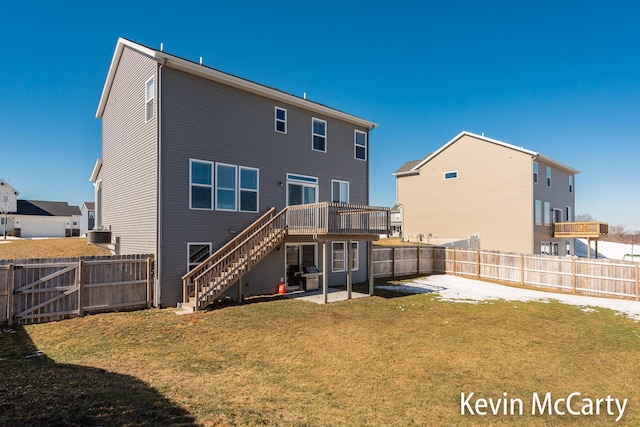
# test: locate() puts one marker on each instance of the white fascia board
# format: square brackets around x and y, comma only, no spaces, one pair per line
[114,66]
[224,78]
[557,164]
[406,173]
[96,171]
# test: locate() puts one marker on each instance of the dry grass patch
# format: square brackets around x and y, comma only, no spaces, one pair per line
[397,242]
[372,361]
[49,248]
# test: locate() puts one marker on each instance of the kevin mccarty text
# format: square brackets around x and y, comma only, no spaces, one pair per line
[574,405]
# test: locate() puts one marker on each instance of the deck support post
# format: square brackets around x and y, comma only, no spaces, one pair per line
[240,285]
[370,264]
[325,275]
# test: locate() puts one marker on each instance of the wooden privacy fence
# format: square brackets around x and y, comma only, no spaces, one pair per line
[598,277]
[45,290]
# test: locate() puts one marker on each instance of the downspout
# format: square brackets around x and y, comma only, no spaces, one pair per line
[158,261]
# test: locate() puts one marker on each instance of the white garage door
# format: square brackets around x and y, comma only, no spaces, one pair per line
[39,227]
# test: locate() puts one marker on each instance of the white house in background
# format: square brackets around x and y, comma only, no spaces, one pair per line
[8,204]
[88,220]
[396,220]
[36,218]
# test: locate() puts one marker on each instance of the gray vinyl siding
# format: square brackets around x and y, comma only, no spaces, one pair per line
[129,178]
[558,196]
[209,121]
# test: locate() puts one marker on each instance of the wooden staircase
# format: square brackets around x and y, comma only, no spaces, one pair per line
[205,283]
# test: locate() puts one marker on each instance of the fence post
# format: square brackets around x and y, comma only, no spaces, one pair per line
[80,286]
[454,261]
[478,252]
[637,283]
[10,289]
[150,281]
[418,256]
[574,279]
[522,269]
[393,262]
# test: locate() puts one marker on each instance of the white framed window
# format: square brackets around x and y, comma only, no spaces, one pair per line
[226,179]
[319,135]
[557,215]
[281,120]
[339,256]
[547,213]
[1,221]
[301,189]
[451,175]
[197,253]
[570,183]
[360,145]
[149,94]
[568,213]
[548,177]
[249,183]
[339,191]
[538,212]
[535,172]
[201,184]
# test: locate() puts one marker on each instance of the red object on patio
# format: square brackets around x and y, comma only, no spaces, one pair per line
[282,289]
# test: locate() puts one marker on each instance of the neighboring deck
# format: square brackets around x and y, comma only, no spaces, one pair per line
[584,230]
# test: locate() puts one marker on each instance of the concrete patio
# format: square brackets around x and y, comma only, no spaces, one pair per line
[333,295]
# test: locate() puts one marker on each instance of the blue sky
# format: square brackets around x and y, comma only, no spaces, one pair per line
[560,78]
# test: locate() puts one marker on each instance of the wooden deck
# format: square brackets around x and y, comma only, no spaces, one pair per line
[585,230]
[323,219]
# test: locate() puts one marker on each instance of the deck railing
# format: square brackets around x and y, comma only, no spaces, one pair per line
[580,229]
[337,218]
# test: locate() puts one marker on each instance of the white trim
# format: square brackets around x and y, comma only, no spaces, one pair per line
[189,255]
[96,171]
[220,77]
[333,199]
[240,189]
[235,188]
[313,134]
[277,120]
[211,186]
[356,145]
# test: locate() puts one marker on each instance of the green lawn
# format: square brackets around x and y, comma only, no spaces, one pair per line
[380,361]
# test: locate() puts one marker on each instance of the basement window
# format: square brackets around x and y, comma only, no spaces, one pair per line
[197,253]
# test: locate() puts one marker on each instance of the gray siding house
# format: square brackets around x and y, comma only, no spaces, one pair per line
[193,156]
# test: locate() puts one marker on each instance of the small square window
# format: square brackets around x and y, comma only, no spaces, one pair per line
[319,135]
[451,175]
[281,120]
[535,172]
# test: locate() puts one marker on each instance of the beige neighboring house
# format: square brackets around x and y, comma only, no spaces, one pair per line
[508,196]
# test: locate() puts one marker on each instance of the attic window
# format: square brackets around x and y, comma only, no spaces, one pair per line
[148,98]
[451,175]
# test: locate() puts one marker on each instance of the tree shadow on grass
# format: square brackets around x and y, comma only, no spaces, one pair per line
[37,391]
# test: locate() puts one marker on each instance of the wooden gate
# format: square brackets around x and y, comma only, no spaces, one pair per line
[45,290]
